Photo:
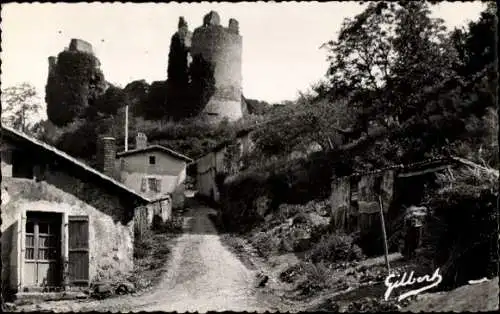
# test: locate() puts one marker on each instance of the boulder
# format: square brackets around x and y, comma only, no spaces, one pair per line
[102,290]
[125,288]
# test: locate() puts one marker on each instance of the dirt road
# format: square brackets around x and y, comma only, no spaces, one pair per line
[203,275]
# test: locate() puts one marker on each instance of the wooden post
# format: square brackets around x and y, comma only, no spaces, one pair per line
[386,251]
[126,128]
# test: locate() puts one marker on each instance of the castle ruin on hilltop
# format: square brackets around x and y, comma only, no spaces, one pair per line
[189,90]
[222,47]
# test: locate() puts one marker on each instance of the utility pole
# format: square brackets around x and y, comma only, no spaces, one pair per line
[126,128]
[386,251]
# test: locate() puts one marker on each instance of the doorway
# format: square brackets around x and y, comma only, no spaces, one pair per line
[42,256]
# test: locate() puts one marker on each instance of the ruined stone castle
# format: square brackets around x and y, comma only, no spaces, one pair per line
[222,47]
[215,44]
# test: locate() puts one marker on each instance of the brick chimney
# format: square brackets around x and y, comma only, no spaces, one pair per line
[106,155]
[141,141]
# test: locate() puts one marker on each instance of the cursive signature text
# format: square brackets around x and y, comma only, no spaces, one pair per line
[391,284]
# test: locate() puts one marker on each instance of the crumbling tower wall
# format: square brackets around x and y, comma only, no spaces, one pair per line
[222,47]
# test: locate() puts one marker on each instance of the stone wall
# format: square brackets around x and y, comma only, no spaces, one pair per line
[222,46]
[81,46]
[106,155]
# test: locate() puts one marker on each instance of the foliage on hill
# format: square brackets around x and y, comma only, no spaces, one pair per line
[398,90]
[257,107]
[401,82]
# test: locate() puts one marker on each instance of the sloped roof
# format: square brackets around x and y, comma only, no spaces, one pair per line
[154,148]
[426,164]
[7,131]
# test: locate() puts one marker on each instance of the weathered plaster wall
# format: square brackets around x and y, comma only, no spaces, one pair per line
[110,227]
[207,168]
[134,181]
[165,164]
[171,172]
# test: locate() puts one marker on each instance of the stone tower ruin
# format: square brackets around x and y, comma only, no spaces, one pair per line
[222,47]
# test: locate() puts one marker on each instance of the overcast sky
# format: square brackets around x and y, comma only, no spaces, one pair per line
[281,41]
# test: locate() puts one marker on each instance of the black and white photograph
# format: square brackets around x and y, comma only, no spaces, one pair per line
[294,156]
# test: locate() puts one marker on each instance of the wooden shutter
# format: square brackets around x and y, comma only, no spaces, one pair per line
[78,248]
[143,184]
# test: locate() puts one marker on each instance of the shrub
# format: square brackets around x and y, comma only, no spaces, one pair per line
[317,277]
[238,196]
[335,247]
[174,225]
[461,235]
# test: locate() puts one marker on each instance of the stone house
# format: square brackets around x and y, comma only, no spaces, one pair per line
[212,163]
[155,172]
[64,225]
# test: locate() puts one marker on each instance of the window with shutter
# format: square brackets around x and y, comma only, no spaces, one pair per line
[154,184]
[78,270]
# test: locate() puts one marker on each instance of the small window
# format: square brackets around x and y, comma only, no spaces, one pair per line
[152,160]
[154,184]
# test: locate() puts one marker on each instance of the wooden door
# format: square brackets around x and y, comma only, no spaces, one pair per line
[42,259]
[78,249]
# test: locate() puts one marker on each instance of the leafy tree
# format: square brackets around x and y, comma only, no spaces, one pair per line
[154,106]
[202,85]
[178,78]
[258,107]
[476,45]
[384,55]
[136,93]
[113,99]
[21,105]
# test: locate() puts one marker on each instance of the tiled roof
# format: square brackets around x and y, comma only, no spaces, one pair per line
[155,147]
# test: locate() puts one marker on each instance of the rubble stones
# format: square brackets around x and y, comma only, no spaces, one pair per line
[102,290]
[125,288]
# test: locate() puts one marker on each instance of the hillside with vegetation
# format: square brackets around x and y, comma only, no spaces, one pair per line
[401,88]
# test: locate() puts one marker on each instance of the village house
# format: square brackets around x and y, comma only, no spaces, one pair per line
[154,171]
[208,166]
[65,225]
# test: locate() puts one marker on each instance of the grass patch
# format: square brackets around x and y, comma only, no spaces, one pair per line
[152,251]
[335,247]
